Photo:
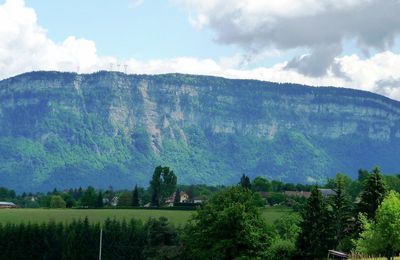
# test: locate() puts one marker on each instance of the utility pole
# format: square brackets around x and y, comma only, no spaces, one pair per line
[101,240]
[125,68]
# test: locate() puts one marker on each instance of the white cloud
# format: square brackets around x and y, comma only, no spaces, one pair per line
[320,26]
[24,46]
[135,3]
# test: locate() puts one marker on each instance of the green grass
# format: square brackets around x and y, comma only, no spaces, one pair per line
[176,217]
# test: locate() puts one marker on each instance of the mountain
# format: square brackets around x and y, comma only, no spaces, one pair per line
[108,128]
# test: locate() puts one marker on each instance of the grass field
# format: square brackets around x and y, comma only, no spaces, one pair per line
[99,215]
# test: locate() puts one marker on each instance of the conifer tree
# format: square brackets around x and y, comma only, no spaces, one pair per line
[315,238]
[373,194]
[135,197]
[245,182]
[99,200]
[341,211]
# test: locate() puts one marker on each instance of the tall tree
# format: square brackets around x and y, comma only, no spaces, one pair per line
[245,182]
[155,186]
[373,194]
[99,200]
[315,238]
[162,185]
[135,197]
[168,184]
[341,211]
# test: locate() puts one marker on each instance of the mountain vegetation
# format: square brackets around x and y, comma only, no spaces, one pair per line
[108,128]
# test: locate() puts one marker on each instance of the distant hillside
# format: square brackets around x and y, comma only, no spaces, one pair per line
[108,128]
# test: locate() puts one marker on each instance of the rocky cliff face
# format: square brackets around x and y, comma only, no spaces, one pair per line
[63,129]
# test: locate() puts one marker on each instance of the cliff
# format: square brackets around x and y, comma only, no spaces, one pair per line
[109,128]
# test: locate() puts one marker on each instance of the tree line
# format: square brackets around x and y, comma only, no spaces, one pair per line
[230,226]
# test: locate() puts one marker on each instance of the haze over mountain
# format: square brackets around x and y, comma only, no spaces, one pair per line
[108,128]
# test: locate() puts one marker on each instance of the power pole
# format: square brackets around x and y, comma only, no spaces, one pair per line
[101,240]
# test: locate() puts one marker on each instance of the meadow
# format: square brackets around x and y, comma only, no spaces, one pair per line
[176,217]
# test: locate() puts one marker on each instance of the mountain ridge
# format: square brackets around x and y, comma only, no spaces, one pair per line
[108,128]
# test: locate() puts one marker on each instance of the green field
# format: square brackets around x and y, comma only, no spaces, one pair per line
[176,217]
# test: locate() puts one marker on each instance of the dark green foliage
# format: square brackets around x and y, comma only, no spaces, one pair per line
[89,198]
[229,225]
[177,198]
[135,197]
[6,194]
[316,235]
[162,240]
[245,182]
[80,239]
[99,200]
[281,250]
[276,198]
[342,218]
[373,193]
[125,199]
[56,201]
[123,240]
[162,185]
[260,184]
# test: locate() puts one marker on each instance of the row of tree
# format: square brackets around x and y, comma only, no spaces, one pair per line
[80,240]
[230,226]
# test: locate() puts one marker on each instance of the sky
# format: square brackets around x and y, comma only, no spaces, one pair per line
[342,43]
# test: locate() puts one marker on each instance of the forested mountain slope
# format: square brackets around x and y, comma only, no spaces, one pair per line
[108,128]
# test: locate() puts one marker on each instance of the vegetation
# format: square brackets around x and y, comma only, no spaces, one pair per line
[231,223]
[228,226]
[54,137]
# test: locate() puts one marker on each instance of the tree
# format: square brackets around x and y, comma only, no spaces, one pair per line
[382,236]
[125,199]
[288,226]
[99,200]
[135,197]
[162,242]
[373,194]
[88,198]
[245,182]
[315,238]
[177,198]
[57,201]
[155,186]
[229,225]
[162,185]
[260,184]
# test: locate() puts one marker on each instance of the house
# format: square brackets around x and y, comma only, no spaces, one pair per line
[198,199]
[333,254]
[327,192]
[171,199]
[305,194]
[7,205]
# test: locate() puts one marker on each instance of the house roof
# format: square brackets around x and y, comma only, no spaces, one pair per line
[327,192]
[305,194]
[6,203]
